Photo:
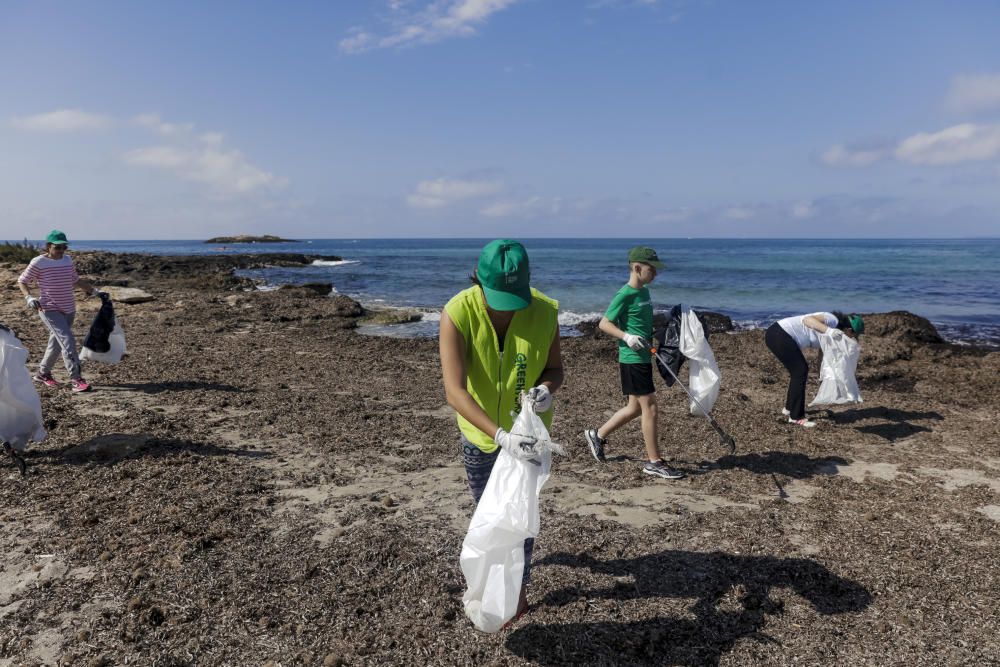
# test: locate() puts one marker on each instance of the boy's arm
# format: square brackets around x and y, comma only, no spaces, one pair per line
[609,327]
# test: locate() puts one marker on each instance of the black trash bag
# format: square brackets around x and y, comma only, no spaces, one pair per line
[103,325]
[667,340]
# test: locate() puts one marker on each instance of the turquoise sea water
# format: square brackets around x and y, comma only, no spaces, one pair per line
[954,283]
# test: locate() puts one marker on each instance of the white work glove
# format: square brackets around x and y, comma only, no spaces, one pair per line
[33,303]
[519,446]
[542,398]
[635,343]
[835,334]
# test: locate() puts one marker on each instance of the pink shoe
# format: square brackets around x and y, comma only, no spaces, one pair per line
[47,380]
[805,423]
[79,385]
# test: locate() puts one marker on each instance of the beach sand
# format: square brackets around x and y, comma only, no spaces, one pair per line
[259,484]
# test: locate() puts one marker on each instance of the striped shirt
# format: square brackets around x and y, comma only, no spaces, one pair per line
[56,279]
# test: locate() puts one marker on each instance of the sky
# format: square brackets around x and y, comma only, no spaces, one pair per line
[491,118]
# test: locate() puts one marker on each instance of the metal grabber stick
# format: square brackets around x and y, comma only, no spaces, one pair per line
[725,439]
[16,458]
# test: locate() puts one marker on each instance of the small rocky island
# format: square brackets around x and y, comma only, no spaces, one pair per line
[243,238]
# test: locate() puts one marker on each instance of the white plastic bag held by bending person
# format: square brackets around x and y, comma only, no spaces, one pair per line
[117,342]
[704,372]
[20,408]
[493,552]
[840,361]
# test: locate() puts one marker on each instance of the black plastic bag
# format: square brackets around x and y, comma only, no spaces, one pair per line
[103,325]
[668,341]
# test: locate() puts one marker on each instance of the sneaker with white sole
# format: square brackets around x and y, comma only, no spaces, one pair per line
[661,469]
[805,423]
[45,379]
[79,385]
[596,443]
[785,412]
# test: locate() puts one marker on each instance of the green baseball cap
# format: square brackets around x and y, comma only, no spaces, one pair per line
[857,324]
[56,238]
[646,256]
[503,274]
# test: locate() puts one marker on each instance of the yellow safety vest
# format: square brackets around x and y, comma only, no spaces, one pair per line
[496,380]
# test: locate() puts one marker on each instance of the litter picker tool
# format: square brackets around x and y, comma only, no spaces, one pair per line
[16,458]
[725,439]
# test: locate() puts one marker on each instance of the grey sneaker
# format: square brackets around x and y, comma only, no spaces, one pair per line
[661,469]
[785,412]
[596,443]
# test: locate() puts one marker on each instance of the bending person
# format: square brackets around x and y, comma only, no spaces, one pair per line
[788,337]
[497,338]
[56,277]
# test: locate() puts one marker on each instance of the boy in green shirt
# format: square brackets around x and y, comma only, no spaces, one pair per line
[629,318]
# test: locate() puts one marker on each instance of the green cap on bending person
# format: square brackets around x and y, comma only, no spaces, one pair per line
[56,237]
[503,274]
[857,324]
[646,256]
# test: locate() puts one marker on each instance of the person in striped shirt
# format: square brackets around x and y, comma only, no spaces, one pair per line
[56,305]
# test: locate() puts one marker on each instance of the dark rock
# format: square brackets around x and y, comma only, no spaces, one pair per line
[308,289]
[196,271]
[903,326]
[347,307]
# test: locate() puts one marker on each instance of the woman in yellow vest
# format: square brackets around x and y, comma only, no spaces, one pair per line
[498,338]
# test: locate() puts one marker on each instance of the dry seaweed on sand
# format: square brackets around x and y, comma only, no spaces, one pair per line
[258,483]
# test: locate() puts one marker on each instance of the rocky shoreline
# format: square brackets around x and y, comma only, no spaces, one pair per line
[257,483]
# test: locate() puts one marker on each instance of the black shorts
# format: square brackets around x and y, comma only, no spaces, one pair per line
[637,379]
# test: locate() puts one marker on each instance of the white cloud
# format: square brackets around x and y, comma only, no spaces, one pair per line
[153,122]
[201,159]
[65,120]
[972,93]
[845,156]
[803,209]
[446,191]
[738,213]
[960,143]
[436,21]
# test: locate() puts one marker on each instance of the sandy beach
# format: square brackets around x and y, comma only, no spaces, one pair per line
[259,484]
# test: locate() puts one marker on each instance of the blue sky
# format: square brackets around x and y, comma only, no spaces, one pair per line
[485,118]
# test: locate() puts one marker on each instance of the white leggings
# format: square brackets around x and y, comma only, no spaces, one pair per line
[60,326]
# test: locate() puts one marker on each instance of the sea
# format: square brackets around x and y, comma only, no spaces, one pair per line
[953,283]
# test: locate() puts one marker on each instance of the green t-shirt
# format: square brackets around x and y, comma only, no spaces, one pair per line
[632,312]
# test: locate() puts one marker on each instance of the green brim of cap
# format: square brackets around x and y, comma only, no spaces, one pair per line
[656,264]
[498,300]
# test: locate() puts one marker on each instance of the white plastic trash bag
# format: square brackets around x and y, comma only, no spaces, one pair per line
[840,361]
[20,408]
[704,376]
[117,342]
[493,552]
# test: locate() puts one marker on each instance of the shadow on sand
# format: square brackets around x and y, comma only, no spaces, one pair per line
[789,464]
[114,447]
[731,600]
[899,425]
[160,387]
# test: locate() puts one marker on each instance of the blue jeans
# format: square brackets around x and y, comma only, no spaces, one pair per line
[478,466]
